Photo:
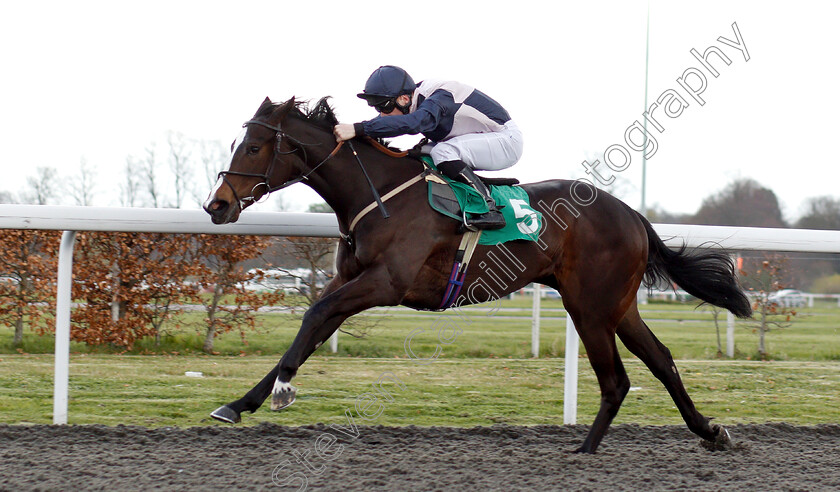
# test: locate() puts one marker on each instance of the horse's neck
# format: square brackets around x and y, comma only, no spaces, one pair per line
[342,183]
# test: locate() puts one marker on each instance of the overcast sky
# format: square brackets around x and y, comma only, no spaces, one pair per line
[100,81]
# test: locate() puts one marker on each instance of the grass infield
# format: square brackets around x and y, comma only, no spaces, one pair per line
[484,376]
[154,391]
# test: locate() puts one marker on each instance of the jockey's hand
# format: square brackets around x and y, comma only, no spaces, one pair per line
[344,131]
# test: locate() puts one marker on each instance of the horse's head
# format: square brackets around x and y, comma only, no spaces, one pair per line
[263,159]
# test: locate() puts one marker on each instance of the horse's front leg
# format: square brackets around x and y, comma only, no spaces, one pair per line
[369,289]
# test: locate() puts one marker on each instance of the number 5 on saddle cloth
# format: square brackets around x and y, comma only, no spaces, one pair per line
[458,200]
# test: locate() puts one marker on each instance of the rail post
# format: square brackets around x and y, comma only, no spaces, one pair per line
[535,321]
[62,326]
[570,375]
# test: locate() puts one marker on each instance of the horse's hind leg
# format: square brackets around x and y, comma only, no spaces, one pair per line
[638,338]
[599,341]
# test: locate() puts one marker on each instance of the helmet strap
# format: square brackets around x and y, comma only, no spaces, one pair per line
[404,109]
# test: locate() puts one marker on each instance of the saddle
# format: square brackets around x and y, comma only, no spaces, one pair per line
[456,200]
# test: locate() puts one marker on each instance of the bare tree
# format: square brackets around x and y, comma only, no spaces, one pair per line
[770,314]
[315,258]
[316,254]
[43,187]
[716,315]
[130,189]
[81,187]
[149,166]
[222,273]
[179,164]
[212,155]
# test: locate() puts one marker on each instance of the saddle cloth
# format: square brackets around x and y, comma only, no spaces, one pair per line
[453,199]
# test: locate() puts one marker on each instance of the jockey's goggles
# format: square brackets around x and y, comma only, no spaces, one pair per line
[384,106]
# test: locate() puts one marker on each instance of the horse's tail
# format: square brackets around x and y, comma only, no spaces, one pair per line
[708,275]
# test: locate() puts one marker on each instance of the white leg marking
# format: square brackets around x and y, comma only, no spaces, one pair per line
[282,387]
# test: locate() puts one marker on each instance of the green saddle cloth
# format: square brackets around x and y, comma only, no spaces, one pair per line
[522,221]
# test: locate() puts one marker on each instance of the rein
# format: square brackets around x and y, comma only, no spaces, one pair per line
[385,150]
[376,197]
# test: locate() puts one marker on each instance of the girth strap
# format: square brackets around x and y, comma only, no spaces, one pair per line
[459,268]
[399,189]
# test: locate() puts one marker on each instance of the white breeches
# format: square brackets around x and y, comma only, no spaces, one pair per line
[482,151]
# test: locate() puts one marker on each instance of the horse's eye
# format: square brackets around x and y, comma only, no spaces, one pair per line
[253,149]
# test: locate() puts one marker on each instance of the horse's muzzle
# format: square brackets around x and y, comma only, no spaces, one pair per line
[221,211]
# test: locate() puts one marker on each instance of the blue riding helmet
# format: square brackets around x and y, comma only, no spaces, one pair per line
[387,81]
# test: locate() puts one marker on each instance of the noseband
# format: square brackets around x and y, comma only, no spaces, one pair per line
[266,177]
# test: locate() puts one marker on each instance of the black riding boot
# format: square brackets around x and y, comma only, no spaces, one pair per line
[462,173]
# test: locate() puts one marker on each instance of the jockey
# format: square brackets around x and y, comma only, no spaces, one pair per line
[468,130]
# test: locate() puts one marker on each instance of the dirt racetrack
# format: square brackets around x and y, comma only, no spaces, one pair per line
[765,457]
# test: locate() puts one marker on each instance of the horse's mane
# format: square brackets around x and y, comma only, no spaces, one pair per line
[321,115]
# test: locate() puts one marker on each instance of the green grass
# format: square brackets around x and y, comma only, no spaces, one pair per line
[687,331]
[486,375]
[153,391]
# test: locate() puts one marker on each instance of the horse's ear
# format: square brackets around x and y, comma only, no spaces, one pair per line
[272,110]
[281,110]
[264,107]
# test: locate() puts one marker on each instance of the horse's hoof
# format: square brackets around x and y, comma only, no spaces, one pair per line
[282,396]
[226,414]
[722,442]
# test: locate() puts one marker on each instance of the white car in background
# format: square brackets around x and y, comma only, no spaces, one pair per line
[788,298]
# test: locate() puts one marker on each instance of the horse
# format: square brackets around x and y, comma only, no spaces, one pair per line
[593,249]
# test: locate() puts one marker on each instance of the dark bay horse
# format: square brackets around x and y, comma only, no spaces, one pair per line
[593,249]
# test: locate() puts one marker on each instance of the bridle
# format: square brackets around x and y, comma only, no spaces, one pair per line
[266,177]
